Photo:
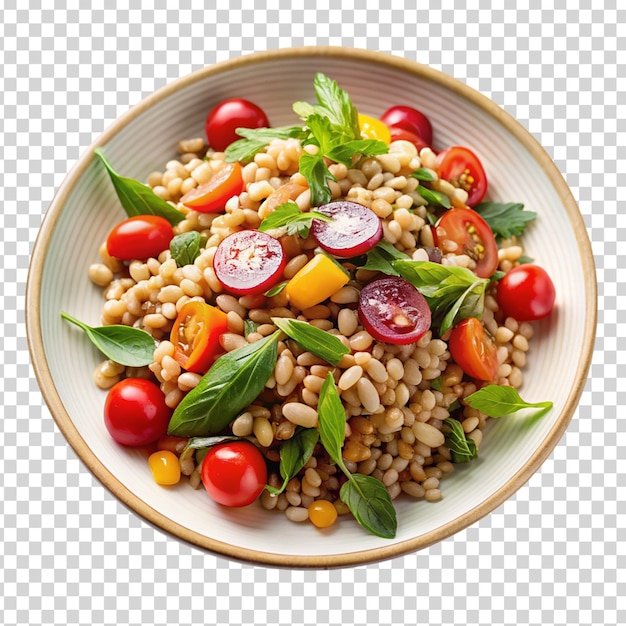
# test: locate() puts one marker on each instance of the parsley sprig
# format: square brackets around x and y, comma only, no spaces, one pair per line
[289,216]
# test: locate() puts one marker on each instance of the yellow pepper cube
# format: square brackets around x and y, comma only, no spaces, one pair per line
[315,282]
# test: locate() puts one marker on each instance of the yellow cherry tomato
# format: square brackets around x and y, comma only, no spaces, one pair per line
[322,513]
[165,467]
[371,128]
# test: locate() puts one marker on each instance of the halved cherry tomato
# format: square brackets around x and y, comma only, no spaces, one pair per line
[210,197]
[249,262]
[354,229]
[398,134]
[371,128]
[392,310]
[410,119]
[473,350]
[526,293]
[461,167]
[135,413]
[234,473]
[473,237]
[139,237]
[196,335]
[286,192]
[224,119]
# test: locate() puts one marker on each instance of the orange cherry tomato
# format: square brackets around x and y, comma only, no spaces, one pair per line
[473,237]
[196,335]
[473,350]
[210,197]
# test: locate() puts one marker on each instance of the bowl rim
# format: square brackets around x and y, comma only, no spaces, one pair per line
[155,518]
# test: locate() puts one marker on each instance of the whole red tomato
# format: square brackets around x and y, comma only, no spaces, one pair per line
[139,237]
[135,413]
[526,293]
[234,473]
[224,119]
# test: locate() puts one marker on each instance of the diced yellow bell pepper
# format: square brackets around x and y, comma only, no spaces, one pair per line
[316,281]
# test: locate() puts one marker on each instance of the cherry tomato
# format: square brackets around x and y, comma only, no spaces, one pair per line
[139,237]
[249,262]
[135,413]
[526,293]
[354,229]
[463,169]
[165,467]
[398,134]
[473,350]
[473,237]
[196,335]
[410,119]
[224,119]
[371,128]
[234,473]
[286,192]
[210,197]
[392,310]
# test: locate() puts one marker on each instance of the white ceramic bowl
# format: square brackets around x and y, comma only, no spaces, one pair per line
[144,139]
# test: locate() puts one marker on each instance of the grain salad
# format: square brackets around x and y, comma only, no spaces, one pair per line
[402,376]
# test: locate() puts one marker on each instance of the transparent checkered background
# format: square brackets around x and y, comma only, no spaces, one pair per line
[71,554]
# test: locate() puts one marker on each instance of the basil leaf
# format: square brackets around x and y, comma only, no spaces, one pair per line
[276,289]
[185,248]
[288,215]
[370,503]
[255,139]
[424,174]
[232,383]
[125,345]
[434,197]
[137,198]
[197,443]
[250,327]
[380,258]
[496,401]
[294,455]
[332,421]
[313,339]
[453,293]
[505,219]
[462,449]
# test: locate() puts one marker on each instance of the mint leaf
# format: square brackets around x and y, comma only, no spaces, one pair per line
[496,401]
[505,219]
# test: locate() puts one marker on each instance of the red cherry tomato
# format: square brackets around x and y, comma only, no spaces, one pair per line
[473,237]
[392,310]
[473,350]
[139,237]
[234,473]
[526,293]
[398,134]
[196,335]
[354,229]
[249,262]
[135,413]
[463,169]
[224,119]
[210,197]
[410,119]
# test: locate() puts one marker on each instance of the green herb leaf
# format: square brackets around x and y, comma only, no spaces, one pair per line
[255,139]
[370,503]
[366,497]
[496,401]
[137,198]
[250,327]
[232,383]
[380,258]
[197,443]
[288,215]
[185,248]
[125,345]
[294,454]
[462,449]
[313,339]
[505,219]
[346,151]
[435,198]
[423,174]
[317,174]
[453,293]
[276,289]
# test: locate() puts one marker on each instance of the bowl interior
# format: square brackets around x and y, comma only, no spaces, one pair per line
[86,208]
